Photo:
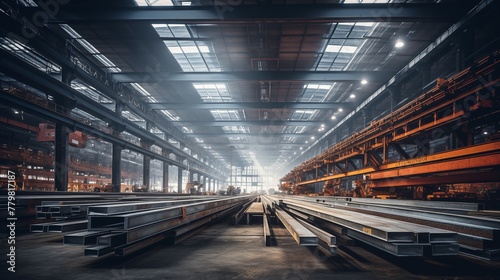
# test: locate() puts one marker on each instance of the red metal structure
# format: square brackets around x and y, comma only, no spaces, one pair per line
[443,143]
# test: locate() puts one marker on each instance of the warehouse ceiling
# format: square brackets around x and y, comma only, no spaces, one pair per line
[253,82]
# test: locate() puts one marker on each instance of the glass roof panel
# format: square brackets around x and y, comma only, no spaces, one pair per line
[110,66]
[153,2]
[236,129]
[225,115]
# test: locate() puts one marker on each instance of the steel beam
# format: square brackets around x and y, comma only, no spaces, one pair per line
[248,123]
[137,219]
[381,228]
[106,210]
[67,226]
[300,233]
[263,135]
[83,238]
[227,13]
[481,161]
[251,105]
[397,249]
[296,76]
[476,177]
[477,156]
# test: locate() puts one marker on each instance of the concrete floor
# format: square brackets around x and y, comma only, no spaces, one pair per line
[231,252]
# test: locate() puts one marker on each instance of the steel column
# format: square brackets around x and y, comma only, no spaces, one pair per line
[116,169]
[61,158]
[179,180]
[165,177]
[146,167]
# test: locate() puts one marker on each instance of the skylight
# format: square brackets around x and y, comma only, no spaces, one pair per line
[90,92]
[236,129]
[170,115]
[193,55]
[315,92]
[29,55]
[154,3]
[365,1]
[172,30]
[213,92]
[143,92]
[345,40]
[90,48]
[225,115]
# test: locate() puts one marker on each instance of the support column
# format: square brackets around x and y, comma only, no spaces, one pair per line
[116,168]
[61,158]
[179,179]
[61,143]
[146,168]
[165,176]
[205,182]
[190,176]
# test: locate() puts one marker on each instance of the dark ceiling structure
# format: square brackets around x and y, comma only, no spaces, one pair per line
[265,83]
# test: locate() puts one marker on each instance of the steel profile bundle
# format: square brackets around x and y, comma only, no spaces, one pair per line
[131,231]
[300,233]
[136,206]
[396,237]
[477,235]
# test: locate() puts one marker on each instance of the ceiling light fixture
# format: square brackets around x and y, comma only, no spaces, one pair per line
[352,96]
[340,110]
[399,44]
[312,137]
[333,117]
[364,82]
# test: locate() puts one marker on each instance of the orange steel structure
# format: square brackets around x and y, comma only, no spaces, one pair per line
[400,149]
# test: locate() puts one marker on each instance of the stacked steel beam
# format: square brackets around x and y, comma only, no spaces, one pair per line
[123,229]
[403,228]
[126,225]
[395,237]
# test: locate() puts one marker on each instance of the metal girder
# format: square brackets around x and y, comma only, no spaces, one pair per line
[477,162]
[225,12]
[301,234]
[478,156]
[11,65]
[54,117]
[247,123]
[18,31]
[436,180]
[299,76]
[265,136]
[251,105]
[252,144]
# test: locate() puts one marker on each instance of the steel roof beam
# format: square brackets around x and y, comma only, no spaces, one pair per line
[299,76]
[250,105]
[248,123]
[264,135]
[226,13]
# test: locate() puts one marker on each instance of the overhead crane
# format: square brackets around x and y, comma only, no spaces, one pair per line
[449,135]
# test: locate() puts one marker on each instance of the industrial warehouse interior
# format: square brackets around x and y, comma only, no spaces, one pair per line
[249,139]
